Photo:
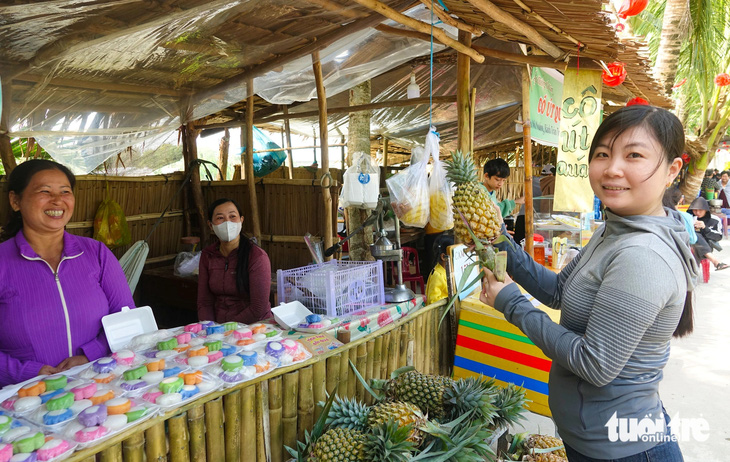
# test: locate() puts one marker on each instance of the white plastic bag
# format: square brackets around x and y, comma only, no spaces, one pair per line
[441,216]
[361,183]
[409,191]
[186,263]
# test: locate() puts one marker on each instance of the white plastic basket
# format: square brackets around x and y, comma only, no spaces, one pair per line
[334,288]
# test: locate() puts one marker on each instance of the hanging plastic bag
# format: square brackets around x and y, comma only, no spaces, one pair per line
[110,224]
[265,162]
[441,216]
[409,191]
[186,263]
[361,183]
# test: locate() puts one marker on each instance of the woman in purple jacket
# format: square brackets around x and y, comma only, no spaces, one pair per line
[56,286]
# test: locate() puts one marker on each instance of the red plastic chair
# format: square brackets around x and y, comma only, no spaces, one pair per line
[705,264]
[410,259]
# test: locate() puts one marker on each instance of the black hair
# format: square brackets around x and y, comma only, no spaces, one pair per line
[552,170]
[668,131]
[725,172]
[19,179]
[244,249]
[440,245]
[709,172]
[498,167]
[672,196]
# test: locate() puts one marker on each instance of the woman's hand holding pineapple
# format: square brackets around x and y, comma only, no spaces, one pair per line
[491,287]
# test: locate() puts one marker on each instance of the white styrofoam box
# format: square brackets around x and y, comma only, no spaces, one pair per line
[122,327]
[290,314]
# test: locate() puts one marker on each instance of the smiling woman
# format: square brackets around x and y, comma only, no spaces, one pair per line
[56,286]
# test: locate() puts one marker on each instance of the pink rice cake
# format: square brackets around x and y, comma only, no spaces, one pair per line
[53,448]
[90,433]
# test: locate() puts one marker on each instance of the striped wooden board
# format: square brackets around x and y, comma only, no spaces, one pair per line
[487,344]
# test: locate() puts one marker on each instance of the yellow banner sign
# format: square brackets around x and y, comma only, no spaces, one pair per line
[580,117]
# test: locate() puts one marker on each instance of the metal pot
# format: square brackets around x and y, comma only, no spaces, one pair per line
[715,205]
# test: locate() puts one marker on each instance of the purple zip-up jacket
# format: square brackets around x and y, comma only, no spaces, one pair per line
[47,317]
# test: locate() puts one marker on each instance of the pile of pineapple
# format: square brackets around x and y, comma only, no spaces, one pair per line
[416,417]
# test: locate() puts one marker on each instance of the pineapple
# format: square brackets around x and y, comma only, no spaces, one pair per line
[472,199]
[351,414]
[339,445]
[443,398]
[387,442]
[441,217]
[477,220]
[536,448]
[510,403]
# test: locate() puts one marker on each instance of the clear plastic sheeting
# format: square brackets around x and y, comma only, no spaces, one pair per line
[90,79]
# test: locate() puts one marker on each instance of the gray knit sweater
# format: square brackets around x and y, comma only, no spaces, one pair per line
[620,300]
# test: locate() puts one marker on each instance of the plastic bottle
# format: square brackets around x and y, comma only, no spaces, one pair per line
[538,248]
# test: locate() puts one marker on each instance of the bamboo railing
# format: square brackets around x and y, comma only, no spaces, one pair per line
[253,421]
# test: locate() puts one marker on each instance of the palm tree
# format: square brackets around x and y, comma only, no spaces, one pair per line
[689,40]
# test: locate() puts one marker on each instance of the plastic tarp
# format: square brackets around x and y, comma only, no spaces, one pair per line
[82,127]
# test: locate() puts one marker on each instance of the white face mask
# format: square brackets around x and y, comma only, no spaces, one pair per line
[228,230]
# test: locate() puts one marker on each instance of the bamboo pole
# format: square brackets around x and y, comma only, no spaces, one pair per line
[214,436]
[463,89]
[236,172]
[305,403]
[111,454]
[344,374]
[287,137]
[420,26]
[527,148]
[499,15]
[538,61]
[352,378]
[319,386]
[178,430]
[361,364]
[552,26]
[232,409]
[275,424]
[248,162]
[403,347]
[133,448]
[223,154]
[190,145]
[155,446]
[333,374]
[262,428]
[248,424]
[418,353]
[289,412]
[328,229]
[384,373]
[196,427]
[378,358]
[410,360]
[394,350]
[314,146]
[472,116]
[450,20]
[370,353]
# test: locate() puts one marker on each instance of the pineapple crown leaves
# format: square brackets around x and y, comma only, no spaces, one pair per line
[467,440]
[474,397]
[460,168]
[388,442]
[347,413]
[510,402]
[367,387]
[379,384]
[310,438]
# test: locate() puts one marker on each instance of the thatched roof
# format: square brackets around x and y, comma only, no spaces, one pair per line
[88,78]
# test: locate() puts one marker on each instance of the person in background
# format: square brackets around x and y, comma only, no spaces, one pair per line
[725,192]
[536,192]
[234,278]
[55,286]
[709,232]
[716,174]
[709,185]
[674,197]
[437,288]
[496,172]
[547,183]
[622,298]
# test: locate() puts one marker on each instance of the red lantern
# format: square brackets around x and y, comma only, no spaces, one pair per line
[722,80]
[637,100]
[617,75]
[631,8]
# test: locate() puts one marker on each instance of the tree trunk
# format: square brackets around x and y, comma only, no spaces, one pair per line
[667,62]
[359,141]
[223,154]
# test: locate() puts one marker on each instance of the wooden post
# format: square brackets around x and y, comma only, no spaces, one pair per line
[385,162]
[463,90]
[358,140]
[287,137]
[6,149]
[472,112]
[223,154]
[527,145]
[328,230]
[190,146]
[248,162]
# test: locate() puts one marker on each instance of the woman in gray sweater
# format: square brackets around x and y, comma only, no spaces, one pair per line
[621,299]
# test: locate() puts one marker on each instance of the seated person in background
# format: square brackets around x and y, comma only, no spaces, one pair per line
[547,183]
[55,286]
[496,171]
[437,288]
[234,278]
[709,185]
[709,232]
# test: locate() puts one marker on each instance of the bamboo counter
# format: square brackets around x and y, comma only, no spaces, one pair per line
[254,420]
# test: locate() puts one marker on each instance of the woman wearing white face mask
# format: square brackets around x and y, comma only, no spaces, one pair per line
[225,293]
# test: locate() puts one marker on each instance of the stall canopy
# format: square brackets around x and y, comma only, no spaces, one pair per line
[90,79]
